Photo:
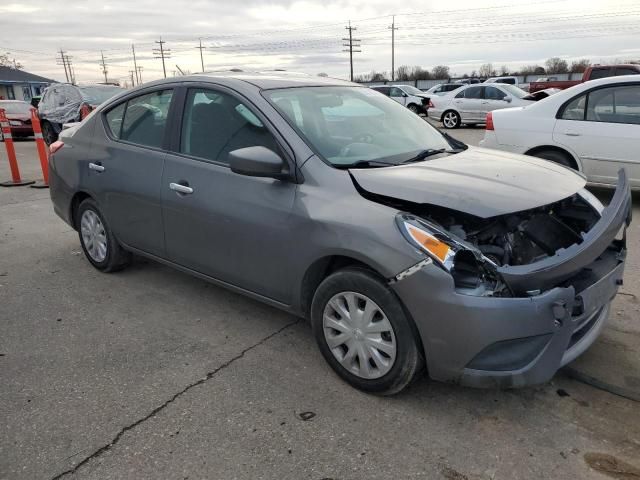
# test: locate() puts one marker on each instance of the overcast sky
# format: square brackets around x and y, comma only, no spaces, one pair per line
[307,35]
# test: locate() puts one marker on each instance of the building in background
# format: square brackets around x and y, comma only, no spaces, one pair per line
[20,85]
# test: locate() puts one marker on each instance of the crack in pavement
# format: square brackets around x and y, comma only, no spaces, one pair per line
[161,407]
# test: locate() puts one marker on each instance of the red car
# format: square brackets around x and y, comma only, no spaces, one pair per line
[19,115]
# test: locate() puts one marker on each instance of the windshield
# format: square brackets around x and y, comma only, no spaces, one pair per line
[16,107]
[349,125]
[98,95]
[513,90]
[411,90]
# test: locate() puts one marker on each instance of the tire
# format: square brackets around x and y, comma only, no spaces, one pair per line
[451,119]
[413,107]
[557,157]
[98,243]
[386,372]
[48,133]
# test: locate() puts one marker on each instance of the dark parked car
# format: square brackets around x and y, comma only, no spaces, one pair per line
[19,115]
[65,103]
[403,246]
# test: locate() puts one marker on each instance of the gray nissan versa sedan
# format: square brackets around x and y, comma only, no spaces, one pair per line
[405,248]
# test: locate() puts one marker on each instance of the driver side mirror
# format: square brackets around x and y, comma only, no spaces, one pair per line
[508,99]
[404,95]
[257,162]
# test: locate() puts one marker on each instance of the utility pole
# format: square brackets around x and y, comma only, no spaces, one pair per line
[393,48]
[201,57]
[162,53]
[104,68]
[64,64]
[72,72]
[352,42]
[135,65]
[139,74]
[131,72]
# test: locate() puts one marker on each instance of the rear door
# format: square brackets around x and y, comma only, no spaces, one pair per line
[232,227]
[603,127]
[124,168]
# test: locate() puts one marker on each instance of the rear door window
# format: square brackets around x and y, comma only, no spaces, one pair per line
[574,110]
[626,71]
[141,120]
[601,73]
[615,105]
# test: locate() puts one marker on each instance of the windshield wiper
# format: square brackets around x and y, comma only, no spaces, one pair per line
[428,153]
[368,163]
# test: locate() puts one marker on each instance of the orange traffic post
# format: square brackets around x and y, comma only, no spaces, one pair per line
[15,181]
[42,150]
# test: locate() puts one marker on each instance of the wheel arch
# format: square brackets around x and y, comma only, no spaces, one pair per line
[321,269]
[450,109]
[76,200]
[572,158]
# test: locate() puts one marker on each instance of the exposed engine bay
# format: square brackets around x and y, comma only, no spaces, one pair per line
[520,238]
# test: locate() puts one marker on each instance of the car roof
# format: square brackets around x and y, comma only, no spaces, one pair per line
[262,80]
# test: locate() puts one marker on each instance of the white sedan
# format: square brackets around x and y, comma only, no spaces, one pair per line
[593,127]
[471,103]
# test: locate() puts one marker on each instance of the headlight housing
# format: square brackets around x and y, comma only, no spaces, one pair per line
[472,272]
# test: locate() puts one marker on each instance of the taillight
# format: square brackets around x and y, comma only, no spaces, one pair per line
[55,146]
[431,105]
[489,121]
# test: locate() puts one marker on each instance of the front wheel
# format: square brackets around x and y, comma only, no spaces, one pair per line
[451,119]
[364,333]
[48,133]
[98,243]
[413,108]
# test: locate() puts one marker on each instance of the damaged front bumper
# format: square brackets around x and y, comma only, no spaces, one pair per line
[558,308]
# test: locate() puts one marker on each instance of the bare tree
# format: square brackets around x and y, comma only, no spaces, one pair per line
[579,66]
[532,70]
[556,65]
[403,72]
[504,70]
[487,70]
[5,61]
[440,71]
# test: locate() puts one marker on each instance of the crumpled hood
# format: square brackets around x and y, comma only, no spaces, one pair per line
[478,181]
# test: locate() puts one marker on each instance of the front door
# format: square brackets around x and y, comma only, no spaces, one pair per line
[398,95]
[231,227]
[603,128]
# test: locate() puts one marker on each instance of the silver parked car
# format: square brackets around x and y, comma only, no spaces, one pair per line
[404,247]
[471,103]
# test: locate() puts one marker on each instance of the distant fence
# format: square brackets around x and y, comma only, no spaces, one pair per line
[426,84]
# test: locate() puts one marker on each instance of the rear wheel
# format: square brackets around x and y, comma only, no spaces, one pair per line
[363,332]
[451,119]
[556,156]
[98,243]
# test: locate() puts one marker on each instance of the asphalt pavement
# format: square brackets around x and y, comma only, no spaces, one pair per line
[152,374]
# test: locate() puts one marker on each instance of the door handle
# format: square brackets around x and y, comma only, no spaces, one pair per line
[485,103]
[184,189]
[572,134]
[96,166]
